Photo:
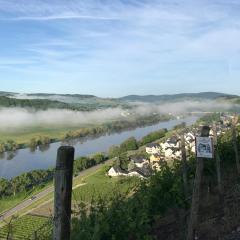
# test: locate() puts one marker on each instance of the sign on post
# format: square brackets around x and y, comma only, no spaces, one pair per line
[204,147]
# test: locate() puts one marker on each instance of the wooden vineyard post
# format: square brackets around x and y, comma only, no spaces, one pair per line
[235,145]
[192,223]
[217,158]
[184,165]
[63,193]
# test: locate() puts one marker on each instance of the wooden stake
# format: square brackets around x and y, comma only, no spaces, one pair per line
[192,224]
[63,193]
[184,165]
[218,160]
[235,145]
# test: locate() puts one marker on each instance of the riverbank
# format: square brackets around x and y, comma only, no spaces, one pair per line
[25,160]
[41,137]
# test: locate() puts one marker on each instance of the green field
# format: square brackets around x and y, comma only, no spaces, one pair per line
[23,136]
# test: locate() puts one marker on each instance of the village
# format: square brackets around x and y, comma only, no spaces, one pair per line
[145,164]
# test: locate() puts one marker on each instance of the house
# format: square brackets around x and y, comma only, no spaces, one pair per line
[155,158]
[168,152]
[153,148]
[189,137]
[116,171]
[177,154]
[156,167]
[139,161]
[173,142]
[140,172]
[193,149]
[173,153]
[155,161]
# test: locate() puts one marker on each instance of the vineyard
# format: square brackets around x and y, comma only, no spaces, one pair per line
[27,227]
[100,185]
[96,185]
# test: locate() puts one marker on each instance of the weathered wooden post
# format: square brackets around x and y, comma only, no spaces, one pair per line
[184,165]
[218,160]
[235,145]
[192,223]
[63,193]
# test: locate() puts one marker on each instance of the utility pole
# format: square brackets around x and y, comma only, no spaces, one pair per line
[192,224]
[63,193]
[218,160]
[235,144]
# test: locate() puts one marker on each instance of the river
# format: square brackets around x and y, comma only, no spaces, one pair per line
[25,160]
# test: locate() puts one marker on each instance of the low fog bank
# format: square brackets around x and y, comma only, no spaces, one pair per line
[182,107]
[60,98]
[17,118]
[14,118]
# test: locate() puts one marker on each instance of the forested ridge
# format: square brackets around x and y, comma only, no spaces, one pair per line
[44,104]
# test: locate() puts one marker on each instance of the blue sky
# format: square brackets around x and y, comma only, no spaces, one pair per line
[119,47]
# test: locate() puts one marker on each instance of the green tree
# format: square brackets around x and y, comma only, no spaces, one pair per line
[113,151]
[153,136]
[4,187]
[98,157]
[129,144]
[33,143]
[2,147]
[123,161]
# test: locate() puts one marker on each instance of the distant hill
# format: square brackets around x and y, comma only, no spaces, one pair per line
[6,93]
[178,97]
[86,102]
[60,95]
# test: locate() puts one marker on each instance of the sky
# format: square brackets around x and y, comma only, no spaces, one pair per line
[114,48]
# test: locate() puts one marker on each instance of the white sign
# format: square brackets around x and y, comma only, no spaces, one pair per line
[204,147]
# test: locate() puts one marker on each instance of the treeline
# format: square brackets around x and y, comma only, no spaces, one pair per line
[9,145]
[151,137]
[24,182]
[38,141]
[28,181]
[137,216]
[117,126]
[41,104]
[83,163]
[44,104]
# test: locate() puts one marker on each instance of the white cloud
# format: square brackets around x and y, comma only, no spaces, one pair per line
[137,39]
[19,118]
